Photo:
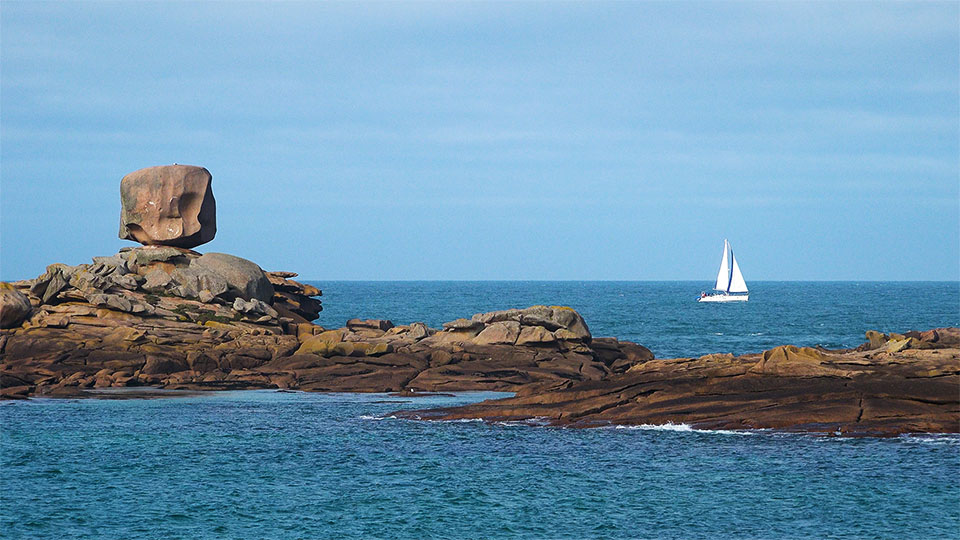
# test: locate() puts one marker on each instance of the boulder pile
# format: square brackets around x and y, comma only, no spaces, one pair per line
[135,317]
[175,284]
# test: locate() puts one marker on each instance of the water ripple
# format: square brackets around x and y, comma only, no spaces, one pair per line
[279,465]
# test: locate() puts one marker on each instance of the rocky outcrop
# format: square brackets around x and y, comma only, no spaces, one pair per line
[119,322]
[139,316]
[897,386]
[929,339]
[164,315]
[562,319]
[170,205]
[157,316]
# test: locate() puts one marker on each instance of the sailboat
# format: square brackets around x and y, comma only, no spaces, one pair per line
[729,280]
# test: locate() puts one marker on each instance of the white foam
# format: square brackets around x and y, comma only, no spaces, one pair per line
[685,428]
[377,418]
[932,438]
[536,421]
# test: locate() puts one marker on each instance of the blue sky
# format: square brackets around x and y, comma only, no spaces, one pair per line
[496,140]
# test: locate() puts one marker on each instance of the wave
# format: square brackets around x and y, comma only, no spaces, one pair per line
[536,421]
[931,438]
[686,428]
[376,418]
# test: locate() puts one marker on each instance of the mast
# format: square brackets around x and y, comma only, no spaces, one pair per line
[730,281]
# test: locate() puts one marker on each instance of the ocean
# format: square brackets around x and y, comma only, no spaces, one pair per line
[664,316]
[290,465]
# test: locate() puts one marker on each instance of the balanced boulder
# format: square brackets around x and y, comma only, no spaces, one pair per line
[170,205]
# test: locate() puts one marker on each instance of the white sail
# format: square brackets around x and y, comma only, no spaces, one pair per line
[723,277]
[737,284]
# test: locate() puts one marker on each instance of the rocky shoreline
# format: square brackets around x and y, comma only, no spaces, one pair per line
[891,385]
[162,316]
[118,324]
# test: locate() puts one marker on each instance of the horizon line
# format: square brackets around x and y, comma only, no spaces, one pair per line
[957,281]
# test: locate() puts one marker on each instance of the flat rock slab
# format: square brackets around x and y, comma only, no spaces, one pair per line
[786,388]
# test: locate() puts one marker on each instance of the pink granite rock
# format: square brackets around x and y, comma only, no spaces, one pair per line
[170,205]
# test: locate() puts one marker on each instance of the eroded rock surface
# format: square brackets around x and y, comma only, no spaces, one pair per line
[892,384]
[170,205]
[137,317]
[552,318]
[143,317]
[159,316]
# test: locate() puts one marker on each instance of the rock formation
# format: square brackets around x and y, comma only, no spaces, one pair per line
[170,205]
[162,315]
[154,317]
[147,316]
[893,384]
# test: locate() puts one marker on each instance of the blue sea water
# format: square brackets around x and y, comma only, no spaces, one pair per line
[268,464]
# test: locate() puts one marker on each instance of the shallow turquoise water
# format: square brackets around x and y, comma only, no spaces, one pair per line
[664,316]
[267,464]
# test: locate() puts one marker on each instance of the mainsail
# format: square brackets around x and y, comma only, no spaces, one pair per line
[723,277]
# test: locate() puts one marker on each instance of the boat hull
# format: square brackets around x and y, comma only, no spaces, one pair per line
[724,298]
